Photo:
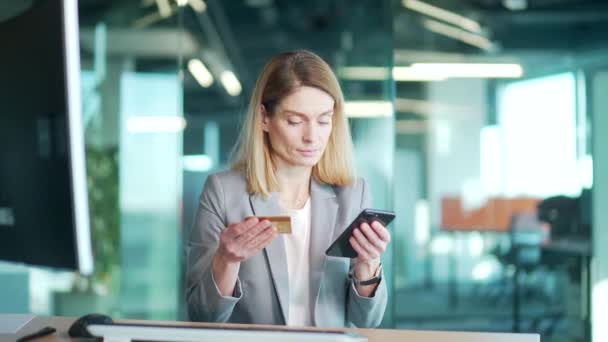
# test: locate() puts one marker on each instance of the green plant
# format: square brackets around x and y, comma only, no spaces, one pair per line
[102,183]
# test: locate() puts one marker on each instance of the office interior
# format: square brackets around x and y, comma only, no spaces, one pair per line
[479,122]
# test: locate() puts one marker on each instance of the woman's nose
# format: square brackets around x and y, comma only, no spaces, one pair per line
[308,133]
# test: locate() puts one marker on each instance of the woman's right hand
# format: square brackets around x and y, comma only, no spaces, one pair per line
[240,241]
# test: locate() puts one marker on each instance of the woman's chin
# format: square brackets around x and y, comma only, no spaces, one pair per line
[305,162]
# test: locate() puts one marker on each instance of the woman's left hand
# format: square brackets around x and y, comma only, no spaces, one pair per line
[369,242]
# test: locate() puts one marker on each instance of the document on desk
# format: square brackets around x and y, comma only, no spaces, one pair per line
[11,324]
[145,333]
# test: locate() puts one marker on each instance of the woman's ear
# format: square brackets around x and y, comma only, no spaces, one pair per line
[264,118]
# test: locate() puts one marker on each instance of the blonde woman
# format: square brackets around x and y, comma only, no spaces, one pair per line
[294,157]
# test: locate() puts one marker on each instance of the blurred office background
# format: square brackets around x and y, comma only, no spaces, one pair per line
[495,168]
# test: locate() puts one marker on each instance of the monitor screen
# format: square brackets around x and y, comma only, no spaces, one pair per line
[44,216]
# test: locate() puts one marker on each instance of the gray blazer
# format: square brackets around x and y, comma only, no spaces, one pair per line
[262,291]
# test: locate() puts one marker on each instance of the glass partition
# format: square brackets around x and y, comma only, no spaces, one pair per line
[493,168]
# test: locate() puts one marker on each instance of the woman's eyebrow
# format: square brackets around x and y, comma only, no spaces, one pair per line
[304,115]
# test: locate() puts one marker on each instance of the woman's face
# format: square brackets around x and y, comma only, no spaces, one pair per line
[300,128]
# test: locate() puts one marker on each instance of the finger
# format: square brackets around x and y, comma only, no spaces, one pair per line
[262,234]
[253,232]
[361,253]
[364,243]
[236,229]
[267,238]
[382,232]
[372,237]
[258,242]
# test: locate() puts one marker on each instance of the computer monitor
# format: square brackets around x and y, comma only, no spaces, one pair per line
[44,215]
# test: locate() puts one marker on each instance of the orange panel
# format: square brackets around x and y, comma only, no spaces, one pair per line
[494,215]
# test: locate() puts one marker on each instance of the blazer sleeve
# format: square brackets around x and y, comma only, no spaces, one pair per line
[366,312]
[203,298]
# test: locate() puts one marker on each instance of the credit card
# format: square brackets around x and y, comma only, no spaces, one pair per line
[282,223]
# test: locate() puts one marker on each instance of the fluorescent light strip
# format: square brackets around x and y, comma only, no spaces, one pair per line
[200,73]
[435,72]
[230,83]
[164,8]
[147,20]
[458,34]
[368,109]
[405,74]
[198,6]
[402,74]
[441,14]
[76,137]
[156,124]
[469,70]
[364,73]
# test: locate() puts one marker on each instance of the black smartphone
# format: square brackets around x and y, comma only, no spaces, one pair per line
[341,247]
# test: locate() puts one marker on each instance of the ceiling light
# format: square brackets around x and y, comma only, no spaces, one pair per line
[422,72]
[458,34]
[469,70]
[147,20]
[231,83]
[440,13]
[368,109]
[156,124]
[164,8]
[198,5]
[364,73]
[515,5]
[200,73]
[405,74]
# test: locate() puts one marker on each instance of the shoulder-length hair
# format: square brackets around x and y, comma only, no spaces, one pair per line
[281,76]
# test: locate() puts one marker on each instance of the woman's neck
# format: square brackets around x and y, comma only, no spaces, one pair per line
[294,185]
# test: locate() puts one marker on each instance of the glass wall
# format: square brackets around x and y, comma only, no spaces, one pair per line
[493,168]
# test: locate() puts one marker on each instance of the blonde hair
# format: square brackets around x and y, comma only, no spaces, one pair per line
[281,76]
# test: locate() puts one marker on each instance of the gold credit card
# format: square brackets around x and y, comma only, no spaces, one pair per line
[282,223]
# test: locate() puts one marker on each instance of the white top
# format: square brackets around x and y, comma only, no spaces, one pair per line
[297,248]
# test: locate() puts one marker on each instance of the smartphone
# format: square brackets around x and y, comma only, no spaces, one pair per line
[341,247]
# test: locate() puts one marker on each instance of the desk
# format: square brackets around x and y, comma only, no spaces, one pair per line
[374,335]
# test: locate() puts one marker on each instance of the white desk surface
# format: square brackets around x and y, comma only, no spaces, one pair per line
[62,325]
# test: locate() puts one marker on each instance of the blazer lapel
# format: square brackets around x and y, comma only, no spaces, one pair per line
[324,208]
[275,251]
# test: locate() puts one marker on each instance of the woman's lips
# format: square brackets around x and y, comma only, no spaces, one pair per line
[308,152]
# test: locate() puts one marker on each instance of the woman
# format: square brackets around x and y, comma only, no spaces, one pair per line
[294,157]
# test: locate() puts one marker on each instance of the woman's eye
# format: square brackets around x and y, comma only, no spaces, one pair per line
[324,122]
[294,123]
